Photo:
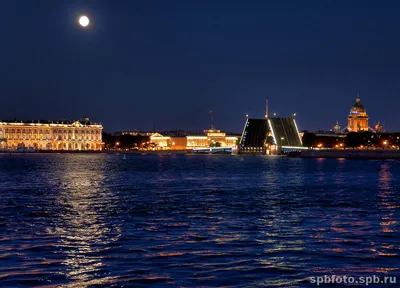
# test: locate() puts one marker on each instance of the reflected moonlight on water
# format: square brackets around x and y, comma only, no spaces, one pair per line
[85,220]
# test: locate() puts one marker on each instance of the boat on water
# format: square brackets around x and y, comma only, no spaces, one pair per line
[213,150]
[22,149]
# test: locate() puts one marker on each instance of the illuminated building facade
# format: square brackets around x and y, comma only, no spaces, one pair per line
[358,118]
[161,142]
[211,137]
[357,121]
[50,135]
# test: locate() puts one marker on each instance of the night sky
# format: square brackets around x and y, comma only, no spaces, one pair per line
[167,63]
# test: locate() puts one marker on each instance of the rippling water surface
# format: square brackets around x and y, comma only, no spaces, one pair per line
[194,221]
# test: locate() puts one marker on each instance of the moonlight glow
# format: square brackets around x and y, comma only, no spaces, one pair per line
[84,21]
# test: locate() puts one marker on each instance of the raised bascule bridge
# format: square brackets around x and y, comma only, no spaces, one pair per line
[270,135]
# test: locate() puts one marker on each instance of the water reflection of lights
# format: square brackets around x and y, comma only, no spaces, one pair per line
[387,206]
[387,201]
[82,225]
[320,172]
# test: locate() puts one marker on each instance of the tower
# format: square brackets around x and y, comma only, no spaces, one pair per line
[358,117]
[336,128]
[266,108]
[379,127]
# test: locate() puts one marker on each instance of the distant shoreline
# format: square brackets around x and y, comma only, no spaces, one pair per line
[345,154]
[348,154]
[95,152]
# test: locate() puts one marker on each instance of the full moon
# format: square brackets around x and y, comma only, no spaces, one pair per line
[84,21]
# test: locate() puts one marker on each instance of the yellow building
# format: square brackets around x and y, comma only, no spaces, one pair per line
[161,142]
[47,135]
[358,118]
[210,138]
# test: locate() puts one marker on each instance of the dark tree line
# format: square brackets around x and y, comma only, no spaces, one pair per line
[125,141]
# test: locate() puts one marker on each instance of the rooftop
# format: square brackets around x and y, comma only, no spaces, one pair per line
[84,121]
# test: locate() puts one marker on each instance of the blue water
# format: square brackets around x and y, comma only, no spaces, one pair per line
[97,220]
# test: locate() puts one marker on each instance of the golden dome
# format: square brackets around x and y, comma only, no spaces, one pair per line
[358,107]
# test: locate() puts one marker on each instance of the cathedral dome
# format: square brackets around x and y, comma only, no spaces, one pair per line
[358,107]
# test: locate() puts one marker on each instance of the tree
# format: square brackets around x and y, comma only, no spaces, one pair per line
[367,138]
[125,141]
[215,144]
[353,139]
[309,139]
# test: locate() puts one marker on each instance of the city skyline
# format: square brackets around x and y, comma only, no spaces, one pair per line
[140,64]
[210,122]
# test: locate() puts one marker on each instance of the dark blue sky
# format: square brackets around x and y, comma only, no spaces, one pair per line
[169,62]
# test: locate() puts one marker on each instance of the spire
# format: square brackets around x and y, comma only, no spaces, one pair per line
[266,108]
[211,119]
[358,98]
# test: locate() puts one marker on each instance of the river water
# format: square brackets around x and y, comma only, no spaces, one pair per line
[99,220]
